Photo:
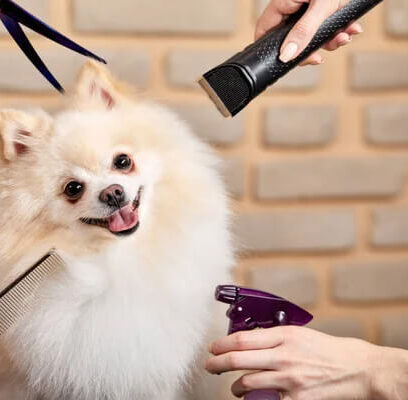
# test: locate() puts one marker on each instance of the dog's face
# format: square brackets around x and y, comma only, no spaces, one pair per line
[94,169]
[104,171]
[96,183]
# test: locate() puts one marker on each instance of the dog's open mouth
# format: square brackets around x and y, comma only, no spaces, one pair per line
[123,221]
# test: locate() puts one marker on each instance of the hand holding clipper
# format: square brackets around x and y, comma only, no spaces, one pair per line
[234,83]
[250,309]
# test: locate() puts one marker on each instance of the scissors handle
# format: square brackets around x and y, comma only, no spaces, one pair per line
[11,14]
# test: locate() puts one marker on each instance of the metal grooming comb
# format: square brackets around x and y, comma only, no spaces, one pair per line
[234,83]
[19,296]
[12,15]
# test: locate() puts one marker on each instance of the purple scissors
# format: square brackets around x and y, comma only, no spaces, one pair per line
[250,309]
[12,15]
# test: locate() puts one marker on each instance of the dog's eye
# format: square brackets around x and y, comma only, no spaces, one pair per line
[74,190]
[123,162]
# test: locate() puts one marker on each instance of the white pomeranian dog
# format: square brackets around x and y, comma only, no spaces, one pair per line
[132,202]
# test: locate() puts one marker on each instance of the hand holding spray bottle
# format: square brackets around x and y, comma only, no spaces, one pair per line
[251,309]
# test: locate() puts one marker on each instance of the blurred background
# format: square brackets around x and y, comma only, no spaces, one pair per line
[317,166]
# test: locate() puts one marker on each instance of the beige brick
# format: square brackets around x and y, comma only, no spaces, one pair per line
[295,231]
[132,66]
[394,330]
[177,16]
[390,227]
[371,281]
[397,17]
[184,67]
[339,326]
[295,283]
[39,8]
[331,177]
[387,124]
[232,171]
[299,79]
[17,73]
[290,126]
[379,70]
[210,125]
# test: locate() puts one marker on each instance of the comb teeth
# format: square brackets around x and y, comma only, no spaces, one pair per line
[17,297]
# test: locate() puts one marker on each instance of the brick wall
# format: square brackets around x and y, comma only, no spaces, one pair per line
[317,165]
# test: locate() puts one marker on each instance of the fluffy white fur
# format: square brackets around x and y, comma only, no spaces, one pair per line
[129,317]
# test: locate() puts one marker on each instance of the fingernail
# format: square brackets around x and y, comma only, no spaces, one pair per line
[346,41]
[288,52]
[317,61]
[210,346]
[359,29]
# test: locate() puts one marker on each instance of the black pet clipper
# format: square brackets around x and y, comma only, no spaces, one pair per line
[234,83]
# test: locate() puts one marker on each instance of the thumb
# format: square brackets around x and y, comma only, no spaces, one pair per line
[304,30]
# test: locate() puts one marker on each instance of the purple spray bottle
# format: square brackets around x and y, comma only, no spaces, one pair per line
[250,309]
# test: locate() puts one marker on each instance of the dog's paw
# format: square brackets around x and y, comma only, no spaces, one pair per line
[20,130]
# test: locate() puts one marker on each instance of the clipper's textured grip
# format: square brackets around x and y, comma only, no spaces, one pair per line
[269,46]
[234,83]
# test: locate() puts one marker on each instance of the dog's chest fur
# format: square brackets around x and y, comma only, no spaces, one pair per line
[117,326]
[127,320]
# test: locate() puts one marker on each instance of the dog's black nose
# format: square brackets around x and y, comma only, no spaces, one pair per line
[113,195]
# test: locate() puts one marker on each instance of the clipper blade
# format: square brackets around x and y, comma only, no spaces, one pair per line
[18,297]
[229,87]
[212,94]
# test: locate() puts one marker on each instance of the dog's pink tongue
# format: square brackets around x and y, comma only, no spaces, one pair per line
[123,219]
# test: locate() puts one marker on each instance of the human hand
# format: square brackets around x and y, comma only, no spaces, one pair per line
[304,30]
[301,364]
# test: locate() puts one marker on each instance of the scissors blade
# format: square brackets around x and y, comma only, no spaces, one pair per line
[18,13]
[21,39]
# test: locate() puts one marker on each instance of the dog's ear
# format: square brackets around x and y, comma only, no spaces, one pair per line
[21,130]
[97,88]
